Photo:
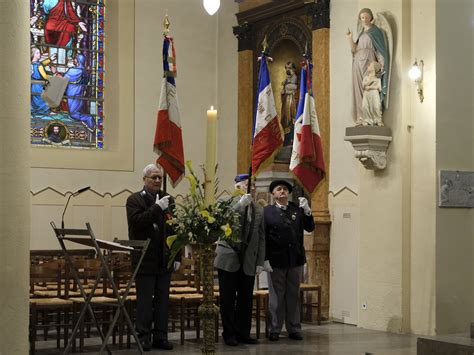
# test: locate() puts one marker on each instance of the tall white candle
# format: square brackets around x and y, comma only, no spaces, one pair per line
[211,143]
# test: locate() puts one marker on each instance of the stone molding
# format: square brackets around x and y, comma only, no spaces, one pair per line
[370,144]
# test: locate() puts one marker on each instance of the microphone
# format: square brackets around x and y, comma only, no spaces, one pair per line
[80,191]
[67,202]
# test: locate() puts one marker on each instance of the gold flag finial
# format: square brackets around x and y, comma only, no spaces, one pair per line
[166,25]
[264,45]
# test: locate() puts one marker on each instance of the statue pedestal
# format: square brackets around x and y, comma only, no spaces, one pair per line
[370,144]
[276,171]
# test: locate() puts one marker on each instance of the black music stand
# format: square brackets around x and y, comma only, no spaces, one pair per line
[86,237]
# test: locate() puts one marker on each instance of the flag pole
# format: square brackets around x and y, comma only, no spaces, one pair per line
[166,31]
[249,183]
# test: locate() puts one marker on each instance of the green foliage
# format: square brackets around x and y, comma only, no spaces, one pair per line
[195,223]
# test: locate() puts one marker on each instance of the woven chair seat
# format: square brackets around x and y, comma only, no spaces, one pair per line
[51,293]
[183,289]
[98,299]
[50,301]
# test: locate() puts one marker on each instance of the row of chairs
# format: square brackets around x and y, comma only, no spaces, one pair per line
[55,299]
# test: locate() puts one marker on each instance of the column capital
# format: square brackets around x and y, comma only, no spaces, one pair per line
[319,12]
[245,35]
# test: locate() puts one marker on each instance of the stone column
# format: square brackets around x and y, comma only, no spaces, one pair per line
[317,245]
[14,175]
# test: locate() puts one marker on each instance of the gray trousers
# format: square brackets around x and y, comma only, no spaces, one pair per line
[284,299]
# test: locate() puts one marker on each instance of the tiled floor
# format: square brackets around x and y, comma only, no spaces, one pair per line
[329,338]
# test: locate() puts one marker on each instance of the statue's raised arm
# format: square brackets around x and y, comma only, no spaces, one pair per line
[373,44]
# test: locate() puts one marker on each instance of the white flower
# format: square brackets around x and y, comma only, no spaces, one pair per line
[190,234]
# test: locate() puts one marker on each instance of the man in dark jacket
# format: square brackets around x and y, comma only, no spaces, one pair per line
[285,223]
[147,212]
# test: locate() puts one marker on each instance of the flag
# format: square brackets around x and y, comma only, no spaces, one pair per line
[267,131]
[168,143]
[307,162]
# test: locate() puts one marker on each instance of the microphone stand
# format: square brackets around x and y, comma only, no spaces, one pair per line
[67,202]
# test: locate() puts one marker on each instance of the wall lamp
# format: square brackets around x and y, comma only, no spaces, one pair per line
[211,6]
[416,74]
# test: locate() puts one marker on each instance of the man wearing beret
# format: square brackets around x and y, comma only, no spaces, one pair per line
[285,223]
[237,264]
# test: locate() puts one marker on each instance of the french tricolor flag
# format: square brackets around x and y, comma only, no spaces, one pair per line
[168,143]
[307,162]
[268,133]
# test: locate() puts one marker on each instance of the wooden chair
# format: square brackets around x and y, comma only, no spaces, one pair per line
[185,300]
[260,311]
[88,271]
[48,311]
[309,290]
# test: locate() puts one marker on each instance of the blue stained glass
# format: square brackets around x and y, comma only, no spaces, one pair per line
[65,42]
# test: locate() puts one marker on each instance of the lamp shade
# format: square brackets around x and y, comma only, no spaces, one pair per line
[212,6]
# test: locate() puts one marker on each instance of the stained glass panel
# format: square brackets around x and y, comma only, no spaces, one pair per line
[67,42]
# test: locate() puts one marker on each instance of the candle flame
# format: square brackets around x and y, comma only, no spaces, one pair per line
[212,108]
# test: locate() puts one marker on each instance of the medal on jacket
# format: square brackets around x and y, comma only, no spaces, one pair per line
[293,217]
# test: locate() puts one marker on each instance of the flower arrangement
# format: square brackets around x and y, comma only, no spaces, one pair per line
[195,223]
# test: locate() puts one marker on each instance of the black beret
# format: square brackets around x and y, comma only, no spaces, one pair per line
[275,183]
[241,177]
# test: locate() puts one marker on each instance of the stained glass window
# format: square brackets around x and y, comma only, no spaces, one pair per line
[67,42]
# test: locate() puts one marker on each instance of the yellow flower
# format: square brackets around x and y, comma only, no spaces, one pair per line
[227,230]
[238,192]
[189,164]
[171,221]
[170,240]
[207,215]
[192,183]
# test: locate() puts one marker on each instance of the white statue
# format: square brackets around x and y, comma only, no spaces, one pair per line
[373,44]
[371,108]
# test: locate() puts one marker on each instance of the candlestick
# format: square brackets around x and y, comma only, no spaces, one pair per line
[209,186]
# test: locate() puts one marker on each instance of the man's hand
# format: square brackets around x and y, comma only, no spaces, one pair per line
[163,202]
[176,265]
[304,205]
[245,200]
[259,270]
[267,267]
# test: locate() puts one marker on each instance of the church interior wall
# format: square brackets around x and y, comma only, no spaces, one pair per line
[344,199]
[412,261]
[454,151]
[382,203]
[14,178]
[206,64]
[344,255]
[422,127]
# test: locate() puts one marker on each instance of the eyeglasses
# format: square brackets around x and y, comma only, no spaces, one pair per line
[155,178]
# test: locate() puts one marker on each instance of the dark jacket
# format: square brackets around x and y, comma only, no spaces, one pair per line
[284,235]
[146,220]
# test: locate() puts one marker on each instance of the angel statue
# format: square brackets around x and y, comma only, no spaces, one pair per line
[374,44]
